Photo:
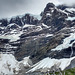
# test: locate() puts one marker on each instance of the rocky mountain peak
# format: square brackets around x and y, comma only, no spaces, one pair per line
[49,6]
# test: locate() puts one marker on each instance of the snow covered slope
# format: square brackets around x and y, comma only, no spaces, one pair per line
[49,64]
[10,66]
[66,42]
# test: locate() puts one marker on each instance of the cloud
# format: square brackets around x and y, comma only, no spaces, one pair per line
[67,2]
[9,8]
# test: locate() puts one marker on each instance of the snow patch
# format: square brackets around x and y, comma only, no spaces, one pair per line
[2,27]
[0,23]
[70,9]
[26,62]
[39,28]
[48,14]
[13,24]
[49,64]
[12,37]
[45,25]
[66,42]
[27,25]
[48,35]
[73,29]
[71,18]
[8,64]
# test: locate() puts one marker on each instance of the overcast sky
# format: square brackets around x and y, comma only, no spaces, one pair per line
[9,8]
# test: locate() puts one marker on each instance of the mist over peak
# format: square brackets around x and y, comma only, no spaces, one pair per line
[68,2]
[9,8]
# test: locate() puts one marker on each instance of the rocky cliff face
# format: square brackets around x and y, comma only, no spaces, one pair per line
[54,22]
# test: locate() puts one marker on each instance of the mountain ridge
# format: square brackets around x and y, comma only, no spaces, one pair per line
[47,37]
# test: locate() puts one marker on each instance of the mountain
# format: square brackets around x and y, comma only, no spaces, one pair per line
[51,37]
